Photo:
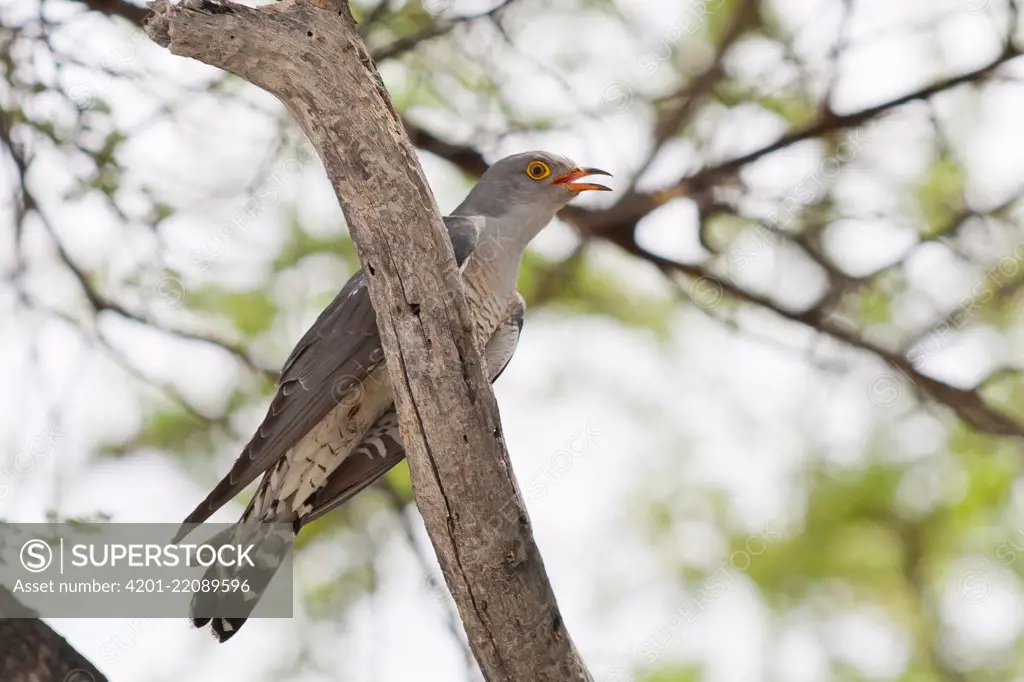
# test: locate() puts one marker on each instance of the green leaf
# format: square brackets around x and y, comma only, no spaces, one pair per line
[251,312]
[673,672]
[797,110]
[874,307]
[400,481]
[167,428]
[941,196]
[1005,391]
[301,244]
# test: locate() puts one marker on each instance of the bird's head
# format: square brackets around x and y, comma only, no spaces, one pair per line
[538,182]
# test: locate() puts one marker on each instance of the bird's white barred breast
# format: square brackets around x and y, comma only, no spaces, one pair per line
[486,306]
[325,447]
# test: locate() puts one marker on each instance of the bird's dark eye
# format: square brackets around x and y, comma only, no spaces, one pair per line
[538,170]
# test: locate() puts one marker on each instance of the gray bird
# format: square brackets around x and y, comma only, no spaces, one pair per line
[331,429]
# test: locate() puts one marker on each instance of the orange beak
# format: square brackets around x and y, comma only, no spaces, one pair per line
[568,180]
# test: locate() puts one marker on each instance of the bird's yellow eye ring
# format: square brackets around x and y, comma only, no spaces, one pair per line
[538,170]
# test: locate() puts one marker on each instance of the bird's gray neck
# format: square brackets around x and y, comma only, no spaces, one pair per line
[503,240]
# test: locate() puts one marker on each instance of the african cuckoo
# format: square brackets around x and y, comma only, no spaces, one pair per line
[331,429]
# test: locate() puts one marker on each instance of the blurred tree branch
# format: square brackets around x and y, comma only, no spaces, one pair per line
[618,223]
[98,302]
[118,8]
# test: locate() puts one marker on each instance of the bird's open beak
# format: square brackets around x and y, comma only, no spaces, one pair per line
[569,180]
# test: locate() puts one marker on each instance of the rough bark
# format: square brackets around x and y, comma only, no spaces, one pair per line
[33,652]
[309,54]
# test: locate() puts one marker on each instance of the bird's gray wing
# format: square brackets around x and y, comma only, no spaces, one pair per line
[382,447]
[334,357]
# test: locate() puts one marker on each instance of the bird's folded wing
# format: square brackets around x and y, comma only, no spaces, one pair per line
[332,359]
[383,448]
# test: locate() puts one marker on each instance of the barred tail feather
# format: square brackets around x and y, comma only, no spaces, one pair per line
[226,612]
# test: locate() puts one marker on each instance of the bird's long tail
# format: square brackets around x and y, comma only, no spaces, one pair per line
[230,593]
